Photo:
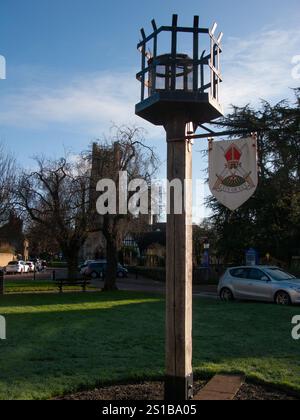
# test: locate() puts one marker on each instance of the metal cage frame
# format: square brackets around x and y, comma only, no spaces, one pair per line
[199,61]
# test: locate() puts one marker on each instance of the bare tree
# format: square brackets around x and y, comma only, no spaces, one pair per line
[124,152]
[41,244]
[7,183]
[56,196]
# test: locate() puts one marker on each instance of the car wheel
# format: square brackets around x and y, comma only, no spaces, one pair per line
[282,298]
[94,275]
[226,295]
[120,275]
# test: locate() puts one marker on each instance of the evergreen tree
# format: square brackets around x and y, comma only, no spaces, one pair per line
[270,220]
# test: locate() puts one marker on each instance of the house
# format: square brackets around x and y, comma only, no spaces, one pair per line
[94,247]
[13,243]
[152,245]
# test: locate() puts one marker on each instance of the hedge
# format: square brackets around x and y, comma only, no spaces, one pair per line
[200,275]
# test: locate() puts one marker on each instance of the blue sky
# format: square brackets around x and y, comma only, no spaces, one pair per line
[71,65]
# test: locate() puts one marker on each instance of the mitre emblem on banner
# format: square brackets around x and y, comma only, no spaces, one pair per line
[233,174]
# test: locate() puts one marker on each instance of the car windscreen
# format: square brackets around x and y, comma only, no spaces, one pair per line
[279,275]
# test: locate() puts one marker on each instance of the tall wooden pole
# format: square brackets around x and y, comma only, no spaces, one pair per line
[179,374]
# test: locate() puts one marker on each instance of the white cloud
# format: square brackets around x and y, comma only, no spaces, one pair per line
[255,67]
[259,66]
[90,104]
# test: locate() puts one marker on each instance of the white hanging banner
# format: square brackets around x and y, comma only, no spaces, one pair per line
[233,171]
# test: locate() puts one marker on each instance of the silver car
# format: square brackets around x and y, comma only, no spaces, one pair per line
[261,283]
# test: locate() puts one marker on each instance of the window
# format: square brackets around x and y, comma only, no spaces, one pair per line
[240,273]
[97,265]
[256,274]
[279,275]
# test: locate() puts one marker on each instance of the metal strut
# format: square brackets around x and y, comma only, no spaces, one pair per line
[212,134]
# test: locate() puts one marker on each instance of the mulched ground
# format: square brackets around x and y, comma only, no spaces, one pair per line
[154,391]
[257,392]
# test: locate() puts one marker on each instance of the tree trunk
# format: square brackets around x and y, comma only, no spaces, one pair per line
[72,262]
[112,266]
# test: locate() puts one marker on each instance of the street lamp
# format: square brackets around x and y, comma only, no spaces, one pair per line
[180,92]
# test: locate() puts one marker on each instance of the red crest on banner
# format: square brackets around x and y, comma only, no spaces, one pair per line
[233,174]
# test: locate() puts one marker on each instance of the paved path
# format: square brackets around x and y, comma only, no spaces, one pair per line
[131,283]
[147,285]
[221,388]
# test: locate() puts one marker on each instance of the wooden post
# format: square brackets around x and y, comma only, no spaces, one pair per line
[179,374]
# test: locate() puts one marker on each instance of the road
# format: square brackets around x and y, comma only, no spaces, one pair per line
[44,275]
[148,285]
[129,284]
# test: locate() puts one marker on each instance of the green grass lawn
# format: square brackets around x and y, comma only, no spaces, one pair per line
[30,286]
[62,343]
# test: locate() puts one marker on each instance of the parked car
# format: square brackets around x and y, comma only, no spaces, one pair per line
[44,265]
[31,266]
[260,283]
[84,265]
[38,265]
[16,267]
[98,269]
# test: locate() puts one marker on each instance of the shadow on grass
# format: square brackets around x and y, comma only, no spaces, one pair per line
[50,353]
